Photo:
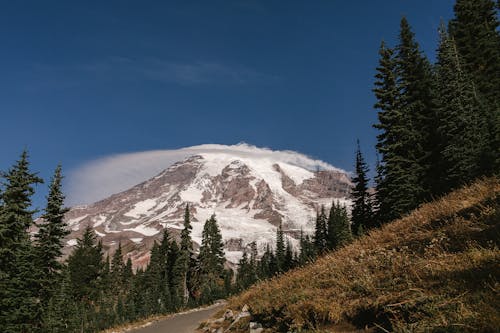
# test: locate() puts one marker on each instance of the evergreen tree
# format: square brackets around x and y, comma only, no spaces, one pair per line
[407,120]
[416,145]
[280,249]
[61,314]
[289,257]
[19,276]
[307,250]
[362,215]
[390,121]
[211,261]
[340,234]
[462,128]
[49,239]
[117,267]
[267,264]
[253,262]
[244,273]
[321,231]
[475,32]
[185,258]
[85,265]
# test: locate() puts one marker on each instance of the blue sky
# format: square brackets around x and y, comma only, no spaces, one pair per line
[83,80]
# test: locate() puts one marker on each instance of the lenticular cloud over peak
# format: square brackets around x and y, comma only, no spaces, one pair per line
[105,176]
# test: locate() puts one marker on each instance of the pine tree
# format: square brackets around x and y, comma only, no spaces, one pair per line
[407,120]
[117,267]
[61,315]
[253,262]
[475,32]
[19,276]
[185,257]
[416,145]
[340,234]
[362,215]
[463,131]
[280,249]
[49,239]
[289,257]
[267,264]
[211,261]
[244,272]
[85,265]
[390,120]
[307,250]
[321,231]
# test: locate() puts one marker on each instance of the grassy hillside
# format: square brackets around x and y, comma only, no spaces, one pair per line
[437,269]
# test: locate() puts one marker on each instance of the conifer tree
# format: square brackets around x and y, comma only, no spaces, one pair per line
[185,257]
[289,257]
[362,215]
[340,234]
[416,145]
[19,276]
[390,120]
[85,266]
[407,120]
[475,32]
[267,266]
[244,272]
[253,262]
[211,260]
[117,267]
[462,127]
[321,231]
[49,239]
[307,250]
[280,249]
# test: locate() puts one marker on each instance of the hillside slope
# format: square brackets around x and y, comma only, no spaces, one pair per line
[437,269]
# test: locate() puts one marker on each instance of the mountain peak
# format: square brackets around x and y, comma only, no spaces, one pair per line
[250,190]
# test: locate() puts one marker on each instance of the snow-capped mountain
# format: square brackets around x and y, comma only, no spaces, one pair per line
[250,190]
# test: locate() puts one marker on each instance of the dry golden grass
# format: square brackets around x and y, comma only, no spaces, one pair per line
[435,270]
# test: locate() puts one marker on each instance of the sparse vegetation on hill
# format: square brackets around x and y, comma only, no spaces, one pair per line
[436,269]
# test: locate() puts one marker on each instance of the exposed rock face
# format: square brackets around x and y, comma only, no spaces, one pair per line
[249,196]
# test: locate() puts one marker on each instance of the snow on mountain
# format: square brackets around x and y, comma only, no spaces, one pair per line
[250,190]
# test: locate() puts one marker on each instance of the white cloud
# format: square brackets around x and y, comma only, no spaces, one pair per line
[100,178]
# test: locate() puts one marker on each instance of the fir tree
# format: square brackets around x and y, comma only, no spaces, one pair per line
[85,266]
[461,126]
[211,260]
[321,231]
[340,227]
[362,215]
[289,257]
[280,249]
[475,32]
[49,239]
[407,120]
[307,250]
[390,120]
[184,264]
[117,267]
[19,276]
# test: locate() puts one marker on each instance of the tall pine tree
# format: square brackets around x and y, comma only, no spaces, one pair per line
[475,32]
[362,215]
[19,275]
[462,127]
[49,239]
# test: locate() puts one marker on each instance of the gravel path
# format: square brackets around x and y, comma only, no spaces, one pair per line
[180,323]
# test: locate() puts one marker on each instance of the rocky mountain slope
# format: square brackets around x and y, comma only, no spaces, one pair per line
[250,196]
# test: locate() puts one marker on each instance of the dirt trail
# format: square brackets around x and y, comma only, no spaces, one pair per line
[180,323]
